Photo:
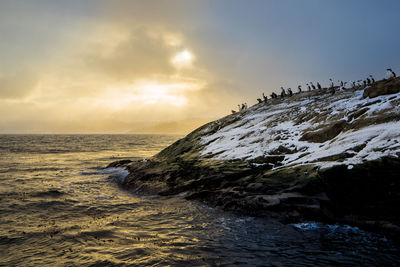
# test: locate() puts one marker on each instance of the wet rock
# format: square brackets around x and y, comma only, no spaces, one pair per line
[119,163]
[369,190]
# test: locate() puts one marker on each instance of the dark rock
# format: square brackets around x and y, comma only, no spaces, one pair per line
[326,133]
[370,190]
[359,112]
[119,163]
[384,87]
[272,159]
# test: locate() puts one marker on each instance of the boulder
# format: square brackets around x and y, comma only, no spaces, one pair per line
[384,87]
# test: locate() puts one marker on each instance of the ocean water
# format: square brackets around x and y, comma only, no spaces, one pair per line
[60,207]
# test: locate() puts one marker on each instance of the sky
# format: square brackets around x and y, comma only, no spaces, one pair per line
[171,66]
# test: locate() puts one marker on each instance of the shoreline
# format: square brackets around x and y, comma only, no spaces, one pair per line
[309,198]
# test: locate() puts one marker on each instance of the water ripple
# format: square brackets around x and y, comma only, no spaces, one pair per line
[60,207]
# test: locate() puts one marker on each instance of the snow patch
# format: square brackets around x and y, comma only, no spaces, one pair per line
[264,129]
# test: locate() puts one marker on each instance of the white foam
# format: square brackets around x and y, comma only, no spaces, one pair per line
[118,173]
[309,226]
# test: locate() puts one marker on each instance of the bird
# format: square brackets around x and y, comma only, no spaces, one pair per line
[343,85]
[283,93]
[239,108]
[368,81]
[390,74]
[319,86]
[233,111]
[365,83]
[290,91]
[309,88]
[332,84]
[299,87]
[265,97]
[372,79]
[259,100]
[312,85]
[245,105]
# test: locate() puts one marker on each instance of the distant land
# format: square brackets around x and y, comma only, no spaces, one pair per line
[173,127]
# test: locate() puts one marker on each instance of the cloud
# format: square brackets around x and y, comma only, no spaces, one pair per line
[113,80]
[109,67]
[140,53]
[17,85]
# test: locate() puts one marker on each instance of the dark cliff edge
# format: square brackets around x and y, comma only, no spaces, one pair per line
[319,173]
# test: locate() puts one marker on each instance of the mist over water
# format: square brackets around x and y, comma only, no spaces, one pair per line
[60,207]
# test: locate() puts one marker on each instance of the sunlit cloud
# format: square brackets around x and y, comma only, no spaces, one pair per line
[113,73]
[173,39]
[141,94]
[183,59]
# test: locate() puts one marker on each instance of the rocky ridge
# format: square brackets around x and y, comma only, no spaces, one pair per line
[313,156]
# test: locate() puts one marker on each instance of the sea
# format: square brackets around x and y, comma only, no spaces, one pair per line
[60,206]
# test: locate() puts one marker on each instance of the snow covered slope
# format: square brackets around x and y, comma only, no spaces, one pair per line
[309,128]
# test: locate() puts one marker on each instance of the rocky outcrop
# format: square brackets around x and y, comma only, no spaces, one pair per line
[326,133]
[366,195]
[314,156]
[384,87]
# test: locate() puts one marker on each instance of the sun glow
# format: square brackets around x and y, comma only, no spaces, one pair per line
[147,93]
[153,93]
[183,59]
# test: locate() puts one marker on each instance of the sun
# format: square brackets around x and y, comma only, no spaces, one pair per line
[183,59]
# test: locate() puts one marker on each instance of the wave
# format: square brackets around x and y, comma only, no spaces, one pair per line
[309,226]
[52,193]
[117,173]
